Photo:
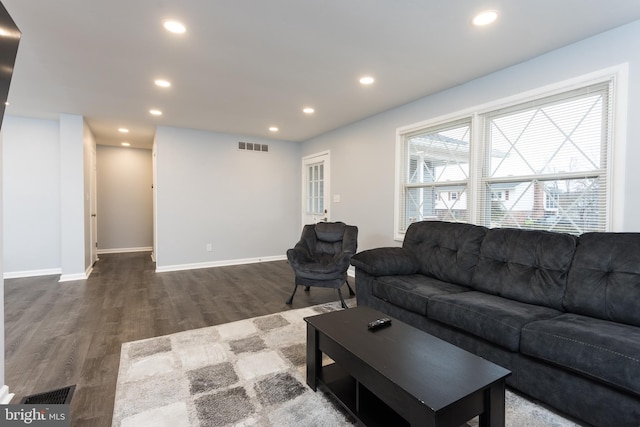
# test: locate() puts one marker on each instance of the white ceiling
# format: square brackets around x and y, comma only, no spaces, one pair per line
[245,65]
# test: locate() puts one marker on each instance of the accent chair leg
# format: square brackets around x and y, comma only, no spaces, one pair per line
[351,293]
[344,304]
[306,288]
[290,300]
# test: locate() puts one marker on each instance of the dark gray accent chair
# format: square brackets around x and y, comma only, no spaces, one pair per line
[322,256]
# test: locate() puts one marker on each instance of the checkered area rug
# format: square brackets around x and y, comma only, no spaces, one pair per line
[245,373]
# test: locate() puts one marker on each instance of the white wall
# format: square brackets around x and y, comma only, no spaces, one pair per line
[72,195]
[246,204]
[124,199]
[31,194]
[363,153]
[46,197]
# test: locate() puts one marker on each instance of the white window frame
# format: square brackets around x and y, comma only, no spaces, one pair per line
[616,155]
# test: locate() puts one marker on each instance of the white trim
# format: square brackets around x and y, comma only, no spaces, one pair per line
[125,250]
[5,396]
[211,264]
[616,169]
[73,277]
[31,273]
[619,146]
[399,182]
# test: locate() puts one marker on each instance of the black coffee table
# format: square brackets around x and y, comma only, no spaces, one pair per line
[400,375]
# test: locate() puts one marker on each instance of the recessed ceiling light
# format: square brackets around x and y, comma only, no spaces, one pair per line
[9,32]
[367,80]
[274,129]
[123,130]
[175,26]
[308,110]
[485,18]
[155,112]
[162,83]
[125,144]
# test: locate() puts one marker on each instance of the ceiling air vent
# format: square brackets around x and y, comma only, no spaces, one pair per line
[250,146]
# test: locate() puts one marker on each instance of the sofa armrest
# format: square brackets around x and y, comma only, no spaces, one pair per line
[386,261]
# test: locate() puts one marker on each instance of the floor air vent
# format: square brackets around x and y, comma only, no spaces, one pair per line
[61,396]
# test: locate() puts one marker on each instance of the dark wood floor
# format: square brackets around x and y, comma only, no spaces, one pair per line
[59,334]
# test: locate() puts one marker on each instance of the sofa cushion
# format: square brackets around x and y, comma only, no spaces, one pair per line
[604,280]
[496,319]
[445,250]
[412,292]
[598,348]
[386,261]
[525,265]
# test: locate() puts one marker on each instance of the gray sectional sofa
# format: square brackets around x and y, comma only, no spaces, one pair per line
[561,312]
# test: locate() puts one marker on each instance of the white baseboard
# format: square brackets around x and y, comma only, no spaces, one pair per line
[124,250]
[224,263]
[72,277]
[31,273]
[5,396]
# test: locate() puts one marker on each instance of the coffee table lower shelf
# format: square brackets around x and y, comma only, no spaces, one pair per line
[363,405]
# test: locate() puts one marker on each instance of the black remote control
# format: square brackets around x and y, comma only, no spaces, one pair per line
[380,323]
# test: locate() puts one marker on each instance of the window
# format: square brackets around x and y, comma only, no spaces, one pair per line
[437,165]
[500,195]
[315,188]
[540,164]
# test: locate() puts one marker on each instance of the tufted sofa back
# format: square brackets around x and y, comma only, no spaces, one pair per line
[604,280]
[445,250]
[525,265]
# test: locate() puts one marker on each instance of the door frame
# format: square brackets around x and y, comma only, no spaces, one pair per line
[93,209]
[325,157]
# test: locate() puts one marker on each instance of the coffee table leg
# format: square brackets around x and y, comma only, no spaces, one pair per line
[493,416]
[314,357]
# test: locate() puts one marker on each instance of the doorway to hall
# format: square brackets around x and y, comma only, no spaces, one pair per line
[124,183]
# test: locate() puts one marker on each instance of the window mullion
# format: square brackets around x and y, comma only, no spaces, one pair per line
[476,160]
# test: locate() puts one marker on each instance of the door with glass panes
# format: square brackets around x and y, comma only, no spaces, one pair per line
[315,188]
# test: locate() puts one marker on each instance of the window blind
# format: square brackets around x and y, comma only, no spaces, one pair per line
[550,157]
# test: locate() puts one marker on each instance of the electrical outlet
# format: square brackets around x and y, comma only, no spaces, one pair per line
[209,247]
